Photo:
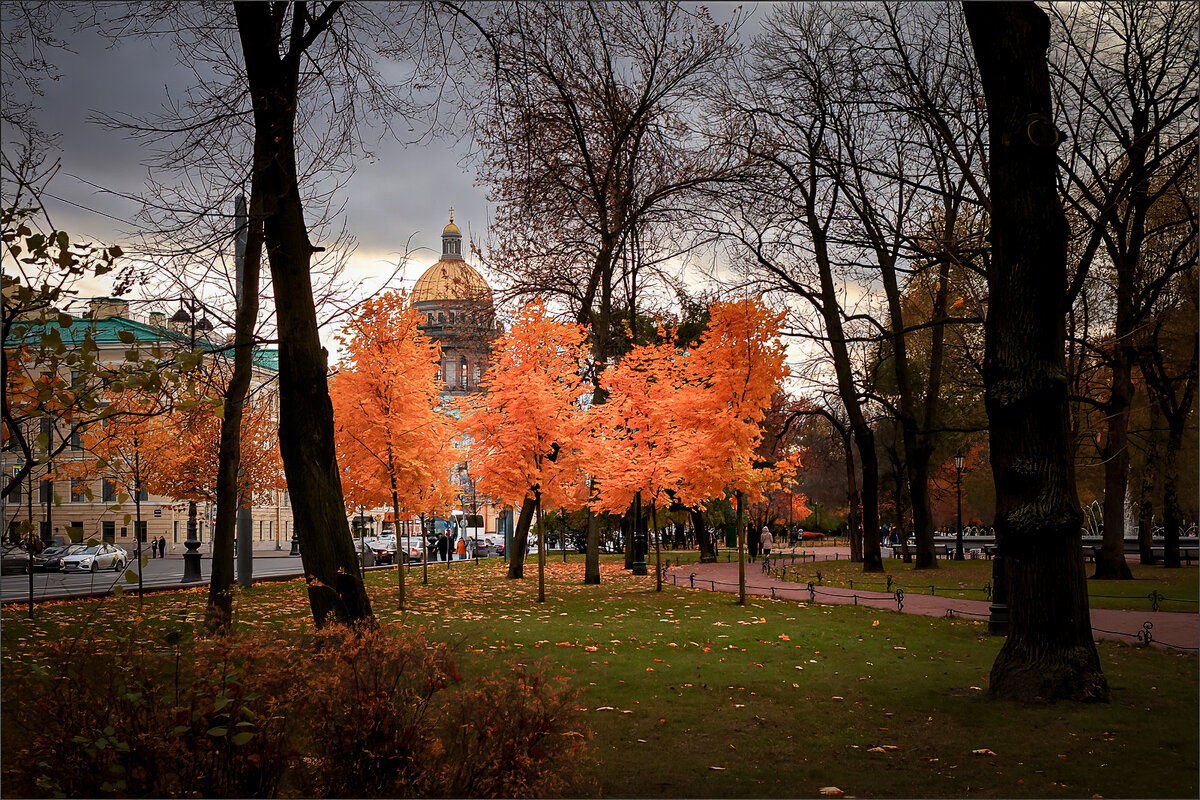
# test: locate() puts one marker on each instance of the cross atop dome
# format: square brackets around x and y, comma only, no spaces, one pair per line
[452,239]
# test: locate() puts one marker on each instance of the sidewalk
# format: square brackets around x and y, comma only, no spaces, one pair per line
[1171,630]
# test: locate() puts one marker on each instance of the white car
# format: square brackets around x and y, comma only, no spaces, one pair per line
[96,558]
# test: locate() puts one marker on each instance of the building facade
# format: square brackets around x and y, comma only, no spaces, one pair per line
[59,507]
[457,312]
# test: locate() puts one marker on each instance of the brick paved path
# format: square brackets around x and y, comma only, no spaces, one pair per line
[1168,629]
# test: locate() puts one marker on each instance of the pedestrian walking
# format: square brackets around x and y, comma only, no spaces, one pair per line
[162,547]
[765,541]
[461,549]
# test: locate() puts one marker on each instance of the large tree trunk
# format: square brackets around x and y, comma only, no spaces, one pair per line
[741,546]
[1049,653]
[520,541]
[218,615]
[1111,564]
[1146,504]
[918,449]
[852,499]
[1171,515]
[591,561]
[704,539]
[336,592]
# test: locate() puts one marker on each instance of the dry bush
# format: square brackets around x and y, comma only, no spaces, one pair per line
[334,714]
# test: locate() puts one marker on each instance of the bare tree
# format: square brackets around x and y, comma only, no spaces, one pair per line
[1124,75]
[590,140]
[1049,653]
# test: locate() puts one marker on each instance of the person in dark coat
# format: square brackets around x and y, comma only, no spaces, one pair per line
[162,547]
[443,546]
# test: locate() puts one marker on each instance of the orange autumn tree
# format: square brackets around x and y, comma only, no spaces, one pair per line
[740,362]
[525,432]
[394,444]
[643,438]
[183,441]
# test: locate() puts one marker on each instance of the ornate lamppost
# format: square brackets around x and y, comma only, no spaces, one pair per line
[958,468]
[191,556]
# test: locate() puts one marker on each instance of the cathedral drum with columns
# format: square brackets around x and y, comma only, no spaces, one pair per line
[456,311]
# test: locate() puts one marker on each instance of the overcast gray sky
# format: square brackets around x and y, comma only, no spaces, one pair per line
[405,193]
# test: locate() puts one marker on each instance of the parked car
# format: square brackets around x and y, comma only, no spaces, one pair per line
[95,558]
[15,559]
[383,549]
[51,558]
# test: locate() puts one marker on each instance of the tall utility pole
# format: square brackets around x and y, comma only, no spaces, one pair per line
[245,521]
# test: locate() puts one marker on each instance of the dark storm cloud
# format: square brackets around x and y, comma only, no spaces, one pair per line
[402,192]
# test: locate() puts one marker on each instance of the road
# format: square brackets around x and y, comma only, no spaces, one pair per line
[159,572]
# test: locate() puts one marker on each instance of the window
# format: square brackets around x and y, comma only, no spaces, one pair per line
[438,376]
[108,492]
[76,437]
[75,530]
[124,532]
[478,374]
[79,487]
[175,531]
[47,425]
[260,530]
[108,531]
[451,317]
[271,529]
[143,495]
[466,384]
[441,318]
[431,318]
[141,530]
[15,497]
[46,492]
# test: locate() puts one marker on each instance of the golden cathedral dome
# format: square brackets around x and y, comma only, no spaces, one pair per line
[451,279]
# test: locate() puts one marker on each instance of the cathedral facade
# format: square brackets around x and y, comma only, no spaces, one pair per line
[457,311]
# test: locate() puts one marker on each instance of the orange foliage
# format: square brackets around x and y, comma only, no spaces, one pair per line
[526,432]
[176,449]
[740,364]
[393,443]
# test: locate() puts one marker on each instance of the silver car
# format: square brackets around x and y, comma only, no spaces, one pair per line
[96,558]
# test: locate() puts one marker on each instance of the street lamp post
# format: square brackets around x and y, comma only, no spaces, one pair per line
[191,556]
[137,505]
[958,468]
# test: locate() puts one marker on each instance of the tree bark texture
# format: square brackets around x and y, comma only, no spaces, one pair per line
[520,541]
[218,615]
[853,501]
[704,538]
[591,561]
[336,592]
[1111,564]
[1049,653]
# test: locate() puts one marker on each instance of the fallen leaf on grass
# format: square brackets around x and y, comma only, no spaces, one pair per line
[831,791]
[983,751]
[717,768]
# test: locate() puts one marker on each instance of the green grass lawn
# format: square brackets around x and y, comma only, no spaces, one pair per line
[1178,589]
[689,694]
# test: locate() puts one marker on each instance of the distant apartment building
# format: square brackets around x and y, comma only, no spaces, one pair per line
[59,507]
